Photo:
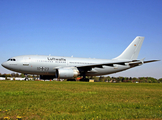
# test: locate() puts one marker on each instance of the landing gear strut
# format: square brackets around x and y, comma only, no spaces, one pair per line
[26,77]
[84,78]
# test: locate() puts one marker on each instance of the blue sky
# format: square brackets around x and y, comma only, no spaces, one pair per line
[82,28]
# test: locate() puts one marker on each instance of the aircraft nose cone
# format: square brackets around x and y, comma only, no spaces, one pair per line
[4,64]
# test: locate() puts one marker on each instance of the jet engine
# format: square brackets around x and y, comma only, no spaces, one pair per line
[67,72]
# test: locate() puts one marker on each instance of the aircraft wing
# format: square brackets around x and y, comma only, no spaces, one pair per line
[130,63]
[103,64]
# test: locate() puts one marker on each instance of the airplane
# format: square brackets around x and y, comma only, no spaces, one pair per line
[49,67]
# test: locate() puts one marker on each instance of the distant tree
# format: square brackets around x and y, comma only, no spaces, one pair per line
[96,78]
[114,79]
[160,80]
[12,74]
[22,75]
[8,75]
[3,75]
[131,79]
[101,79]
[125,79]
[134,79]
[142,79]
[122,79]
[153,80]
[118,79]
[108,78]
[16,75]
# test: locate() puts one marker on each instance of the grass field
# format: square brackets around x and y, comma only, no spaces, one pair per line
[79,100]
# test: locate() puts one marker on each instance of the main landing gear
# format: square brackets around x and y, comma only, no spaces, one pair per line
[26,77]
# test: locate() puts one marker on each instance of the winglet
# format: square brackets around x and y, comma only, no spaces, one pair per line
[132,51]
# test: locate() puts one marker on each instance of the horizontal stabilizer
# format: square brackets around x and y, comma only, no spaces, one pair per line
[150,61]
[139,62]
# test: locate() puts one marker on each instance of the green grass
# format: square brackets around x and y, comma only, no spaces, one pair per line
[80,100]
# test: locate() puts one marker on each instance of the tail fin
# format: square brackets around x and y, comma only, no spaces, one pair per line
[132,51]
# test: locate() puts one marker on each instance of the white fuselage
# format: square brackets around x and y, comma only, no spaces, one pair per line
[47,65]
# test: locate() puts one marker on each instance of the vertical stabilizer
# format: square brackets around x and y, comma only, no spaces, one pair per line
[132,51]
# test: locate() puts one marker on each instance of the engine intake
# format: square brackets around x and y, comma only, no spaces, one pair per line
[67,73]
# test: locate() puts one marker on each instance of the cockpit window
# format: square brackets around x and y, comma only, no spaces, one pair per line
[11,60]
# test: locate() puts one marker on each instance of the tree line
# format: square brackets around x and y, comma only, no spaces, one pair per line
[127,79]
[12,75]
[102,78]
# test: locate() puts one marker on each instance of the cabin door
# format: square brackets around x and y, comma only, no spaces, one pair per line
[26,61]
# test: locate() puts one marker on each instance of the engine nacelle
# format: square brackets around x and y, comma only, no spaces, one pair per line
[67,72]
